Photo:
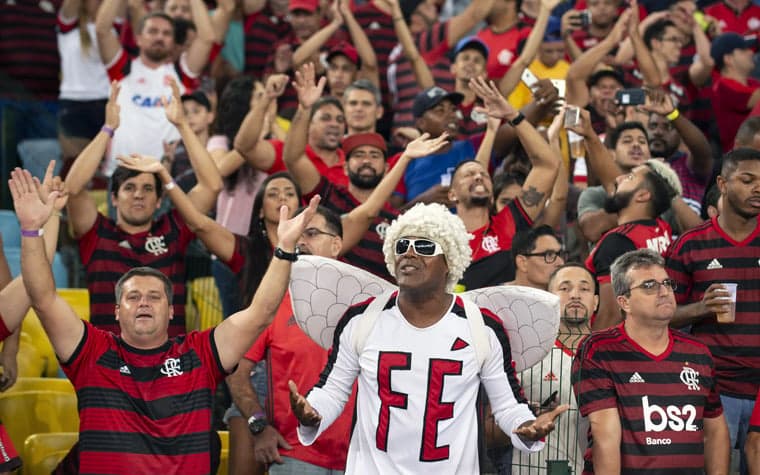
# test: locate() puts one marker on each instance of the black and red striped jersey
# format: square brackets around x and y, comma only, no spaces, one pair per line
[145,411]
[707,255]
[262,31]
[662,399]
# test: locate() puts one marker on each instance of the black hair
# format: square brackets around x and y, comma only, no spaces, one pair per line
[656,31]
[332,220]
[122,174]
[747,131]
[325,101]
[731,159]
[148,16]
[181,27]
[709,199]
[524,241]
[259,248]
[233,106]
[503,180]
[614,135]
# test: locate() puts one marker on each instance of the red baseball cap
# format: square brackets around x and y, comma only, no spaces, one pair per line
[308,5]
[347,50]
[369,138]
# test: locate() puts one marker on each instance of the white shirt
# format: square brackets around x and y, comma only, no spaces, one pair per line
[83,76]
[430,379]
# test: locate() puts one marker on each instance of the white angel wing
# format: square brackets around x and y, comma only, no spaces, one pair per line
[531,317]
[321,289]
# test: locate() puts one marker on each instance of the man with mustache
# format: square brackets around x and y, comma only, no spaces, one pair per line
[576,288]
[640,197]
[145,80]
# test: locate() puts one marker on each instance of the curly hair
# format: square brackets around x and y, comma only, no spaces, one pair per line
[435,222]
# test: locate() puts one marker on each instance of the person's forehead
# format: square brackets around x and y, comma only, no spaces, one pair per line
[445,102]
[470,167]
[546,241]
[158,22]
[280,184]
[328,109]
[142,178]
[360,95]
[573,275]
[341,60]
[646,272]
[143,283]
[632,133]
[607,81]
[318,221]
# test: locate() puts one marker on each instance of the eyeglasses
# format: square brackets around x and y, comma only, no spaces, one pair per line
[673,39]
[311,233]
[422,247]
[653,287]
[549,255]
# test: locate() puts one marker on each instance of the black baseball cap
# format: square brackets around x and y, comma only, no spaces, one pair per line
[433,96]
[726,44]
[198,96]
[605,73]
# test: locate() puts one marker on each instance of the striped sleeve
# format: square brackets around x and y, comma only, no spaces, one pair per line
[592,382]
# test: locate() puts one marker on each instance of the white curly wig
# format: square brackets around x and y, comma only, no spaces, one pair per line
[433,221]
[666,173]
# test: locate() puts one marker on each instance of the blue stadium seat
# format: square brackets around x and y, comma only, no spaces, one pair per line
[60,273]
[10,229]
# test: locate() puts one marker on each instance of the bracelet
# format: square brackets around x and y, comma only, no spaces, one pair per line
[32,233]
[170,186]
[673,115]
[284,255]
[107,130]
[516,121]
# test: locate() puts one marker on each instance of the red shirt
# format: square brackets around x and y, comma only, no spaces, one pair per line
[733,97]
[291,354]
[336,173]
[503,48]
[748,20]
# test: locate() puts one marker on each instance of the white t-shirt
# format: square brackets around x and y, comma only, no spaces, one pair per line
[416,393]
[83,76]
[568,440]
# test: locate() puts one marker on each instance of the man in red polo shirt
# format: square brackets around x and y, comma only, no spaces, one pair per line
[738,16]
[735,91]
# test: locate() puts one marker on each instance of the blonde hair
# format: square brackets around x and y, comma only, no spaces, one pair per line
[435,222]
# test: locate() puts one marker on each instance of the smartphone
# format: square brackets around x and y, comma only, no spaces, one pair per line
[529,79]
[700,19]
[550,400]
[585,18]
[572,117]
[630,97]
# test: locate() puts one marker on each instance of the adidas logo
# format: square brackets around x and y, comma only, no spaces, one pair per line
[636,378]
[125,370]
[714,264]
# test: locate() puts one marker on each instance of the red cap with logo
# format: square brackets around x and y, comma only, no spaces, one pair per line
[347,50]
[357,140]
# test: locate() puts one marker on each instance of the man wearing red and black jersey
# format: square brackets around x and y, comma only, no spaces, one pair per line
[649,392]
[262,30]
[726,250]
[144,398]
[640,197]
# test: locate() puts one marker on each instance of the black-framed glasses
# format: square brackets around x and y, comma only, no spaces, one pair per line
[652,286]
[550,255]
[311,233]
[422,247]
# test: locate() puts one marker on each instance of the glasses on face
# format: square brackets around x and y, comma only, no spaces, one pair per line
[673,39]
[549,255]
[422,247]
[652,286]
[311,233]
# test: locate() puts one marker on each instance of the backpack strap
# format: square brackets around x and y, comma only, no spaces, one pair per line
[478,329]
[367,321]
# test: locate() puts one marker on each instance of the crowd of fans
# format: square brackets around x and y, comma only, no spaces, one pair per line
[562,134]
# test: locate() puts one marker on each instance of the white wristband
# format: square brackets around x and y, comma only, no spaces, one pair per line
[170,186]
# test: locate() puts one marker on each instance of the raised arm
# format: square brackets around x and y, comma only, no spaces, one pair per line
[535,38]
[204,193]
[607,433]
[235,335]
[556,205]
[198,52]
[108,42]
[570,22]
[82,210]
[644,57]
[583,67]
[61,324]
[700,70]
[306,51]
[356,223]
[461,24]
[69,9]
[258,153]
[369,69]
[421,70]
[294,151]
[598,158]
[220,20]
[218,240]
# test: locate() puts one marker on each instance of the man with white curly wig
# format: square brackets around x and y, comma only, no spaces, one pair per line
[420,358]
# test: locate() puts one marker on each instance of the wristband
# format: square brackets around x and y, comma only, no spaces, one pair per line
[170,186]
[32,233]
[107,130]
[284,255]
[516,121]
[673,115]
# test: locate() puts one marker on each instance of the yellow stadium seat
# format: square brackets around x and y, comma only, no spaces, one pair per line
[224,436]
[60,385]
[204,308]
[33,412]
[29,360]
[42,452]
[224,456]
[79,299]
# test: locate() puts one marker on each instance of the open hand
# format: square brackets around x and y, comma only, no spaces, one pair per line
[306,415]
[658,101]
[173,106]
[542,425]
[494,103]
[423,145]
[53,183]
[31,211]
[308,90]
[141,163]
[112,106]
[290,230]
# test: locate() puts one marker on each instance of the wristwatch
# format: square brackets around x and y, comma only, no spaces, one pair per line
[257,423]
[285,255]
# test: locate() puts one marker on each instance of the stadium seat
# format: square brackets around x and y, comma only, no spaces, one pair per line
[204,308]
[42,452]
[29,360]
[35,412]
[61,385]
[224,456]
[60,273]
[10,229]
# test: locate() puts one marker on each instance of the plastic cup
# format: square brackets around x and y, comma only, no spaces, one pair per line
[730,316]
[577,145]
